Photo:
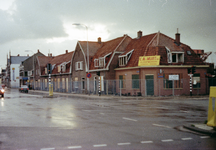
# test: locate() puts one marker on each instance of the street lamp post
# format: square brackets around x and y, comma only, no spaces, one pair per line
[79,24]
[33,66]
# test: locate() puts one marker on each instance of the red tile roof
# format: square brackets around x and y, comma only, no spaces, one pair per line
[108,47]
[57,60]
[156,44]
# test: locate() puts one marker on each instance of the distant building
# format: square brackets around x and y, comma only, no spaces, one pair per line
[13,68]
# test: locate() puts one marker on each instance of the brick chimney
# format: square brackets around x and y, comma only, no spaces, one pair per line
[38,51]
[18,55]
[139,34]
[177,38]
[66,51]
[99,40]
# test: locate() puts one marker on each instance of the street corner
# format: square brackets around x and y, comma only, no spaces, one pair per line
[201,128]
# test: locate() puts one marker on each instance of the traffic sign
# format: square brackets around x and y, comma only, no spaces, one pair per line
[88,75]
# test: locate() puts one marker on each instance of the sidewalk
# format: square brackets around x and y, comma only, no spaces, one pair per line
[91,96]
[201,128]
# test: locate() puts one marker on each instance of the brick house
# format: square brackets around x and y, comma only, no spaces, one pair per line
[103,58]
[60,72]
[169,77]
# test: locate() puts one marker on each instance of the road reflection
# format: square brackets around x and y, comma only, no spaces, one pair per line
[62,116]
[2,102]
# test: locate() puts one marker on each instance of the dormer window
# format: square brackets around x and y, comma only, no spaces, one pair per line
[123,59]
[96,63]
[101,62]
[174,57]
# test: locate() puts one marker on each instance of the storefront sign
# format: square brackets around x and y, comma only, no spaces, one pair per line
[149,60]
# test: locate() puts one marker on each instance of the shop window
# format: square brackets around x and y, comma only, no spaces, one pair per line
[196,80]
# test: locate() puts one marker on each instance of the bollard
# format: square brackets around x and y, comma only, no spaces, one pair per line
[212,110]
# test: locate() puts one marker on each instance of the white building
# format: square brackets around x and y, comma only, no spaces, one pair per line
[15,62]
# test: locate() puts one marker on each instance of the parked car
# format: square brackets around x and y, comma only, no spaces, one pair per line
[24,88]
[2,91]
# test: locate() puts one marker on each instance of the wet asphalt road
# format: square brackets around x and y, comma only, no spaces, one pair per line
[32,122]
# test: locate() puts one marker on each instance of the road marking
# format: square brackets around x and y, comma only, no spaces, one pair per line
[205,137]
[184,139]
[143,142]
[74,147]
[158,125]
[102,113]
[124,143]
[167,140]
[101,145]
[129,119]
[47,148]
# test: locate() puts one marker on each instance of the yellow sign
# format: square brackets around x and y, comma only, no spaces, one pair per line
[149,60]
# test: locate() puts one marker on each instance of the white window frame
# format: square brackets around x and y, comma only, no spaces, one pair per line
[124,59]
[101,62]
[96,62]
[178,58]
[79,65]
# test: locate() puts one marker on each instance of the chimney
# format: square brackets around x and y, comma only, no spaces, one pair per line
[139,34]
[49,54]
[99,40]
[66,51]
[177,38]
[38,51]
[18,55]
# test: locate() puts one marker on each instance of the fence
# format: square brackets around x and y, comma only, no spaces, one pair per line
[150,87]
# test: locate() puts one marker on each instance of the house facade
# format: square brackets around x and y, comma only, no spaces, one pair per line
[163,68]
[60,72]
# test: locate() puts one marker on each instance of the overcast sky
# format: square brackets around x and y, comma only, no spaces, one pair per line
[47,24]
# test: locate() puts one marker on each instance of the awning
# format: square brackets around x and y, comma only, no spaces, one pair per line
[25,78]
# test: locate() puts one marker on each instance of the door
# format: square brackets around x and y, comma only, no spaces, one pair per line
[149,84]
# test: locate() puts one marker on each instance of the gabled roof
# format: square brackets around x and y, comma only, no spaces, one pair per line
[157,44]
[43,60]
[64,58]
[17,59]
[55,61]
[93,47]
[210,58]
[108,48]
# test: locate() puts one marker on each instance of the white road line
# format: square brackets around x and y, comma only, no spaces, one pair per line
[205,137]
[124,143]
[158,125]
[47,148]
[144,142]
[100,145]
[74,147]
[102,113]
[167,140]
[129,119]
[184,139]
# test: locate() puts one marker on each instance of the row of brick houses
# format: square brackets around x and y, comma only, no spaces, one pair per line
[117,63]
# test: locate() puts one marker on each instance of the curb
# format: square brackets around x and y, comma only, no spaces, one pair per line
[193,128]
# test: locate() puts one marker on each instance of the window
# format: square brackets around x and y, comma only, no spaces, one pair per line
[123,60]
[101,62]
[177,57]
[83,83]
[79,65]
[76,82]
[96,63]
[169,83]
[135,81]
[45,70]
[196,80]
[174,57]
[122,81]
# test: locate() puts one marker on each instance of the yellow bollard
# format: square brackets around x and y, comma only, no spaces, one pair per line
[212,112]
[50,89]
